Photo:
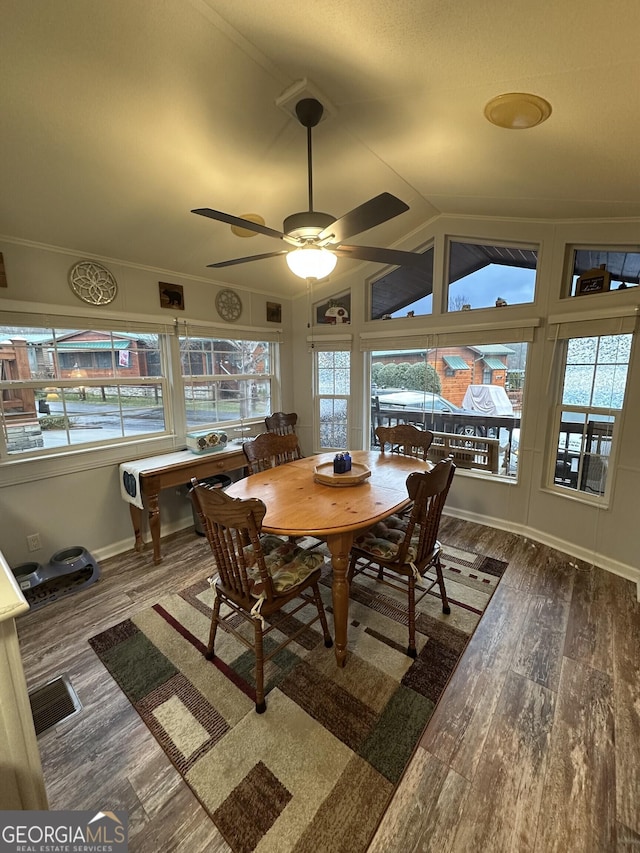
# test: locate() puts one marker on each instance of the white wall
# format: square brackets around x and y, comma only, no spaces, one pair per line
[609,537]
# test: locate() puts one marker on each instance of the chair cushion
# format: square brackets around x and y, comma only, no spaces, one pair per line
[268,542]
[288,564]
[385,537]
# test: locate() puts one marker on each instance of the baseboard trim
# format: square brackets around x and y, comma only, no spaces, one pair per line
[587,555]
[116,548]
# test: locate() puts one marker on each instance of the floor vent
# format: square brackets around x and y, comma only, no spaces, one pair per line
[52,703]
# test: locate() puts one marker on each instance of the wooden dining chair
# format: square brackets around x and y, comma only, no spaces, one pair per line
[256,577]
[405,439]
[269,449]
[281,422]
[400,550]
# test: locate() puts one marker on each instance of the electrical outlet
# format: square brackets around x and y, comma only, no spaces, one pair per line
[33,542]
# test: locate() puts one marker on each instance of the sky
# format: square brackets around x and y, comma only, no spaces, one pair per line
[482,288]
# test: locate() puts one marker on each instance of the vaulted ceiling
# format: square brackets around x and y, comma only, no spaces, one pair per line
[120,116]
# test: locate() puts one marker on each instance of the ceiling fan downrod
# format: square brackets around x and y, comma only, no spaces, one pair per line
[309,112]
[306,225]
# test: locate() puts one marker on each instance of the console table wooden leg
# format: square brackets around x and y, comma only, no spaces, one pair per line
[340,546]
[154,525]
[136,521]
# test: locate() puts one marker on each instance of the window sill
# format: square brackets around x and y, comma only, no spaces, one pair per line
[15,471]
[577,497]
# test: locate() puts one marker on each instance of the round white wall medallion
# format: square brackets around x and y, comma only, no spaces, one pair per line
[228,305]
[92,283]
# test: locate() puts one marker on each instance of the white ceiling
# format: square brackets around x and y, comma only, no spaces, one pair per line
[120,116]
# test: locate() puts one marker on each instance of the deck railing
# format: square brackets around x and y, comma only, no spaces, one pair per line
[468,451]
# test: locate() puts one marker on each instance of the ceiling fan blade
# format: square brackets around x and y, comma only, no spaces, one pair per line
[395,257]
[239,222]
[379,209]
[246,260]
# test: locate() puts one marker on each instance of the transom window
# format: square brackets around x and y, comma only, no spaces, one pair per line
[404,290]
[486,275]
[622,268]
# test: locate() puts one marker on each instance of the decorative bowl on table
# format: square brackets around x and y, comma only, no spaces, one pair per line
[325,474]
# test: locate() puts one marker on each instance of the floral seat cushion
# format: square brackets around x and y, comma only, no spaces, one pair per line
[287,564]
[385,537]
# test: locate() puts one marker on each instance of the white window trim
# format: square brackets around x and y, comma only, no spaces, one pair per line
[317,397]
[15,470]
[561,331]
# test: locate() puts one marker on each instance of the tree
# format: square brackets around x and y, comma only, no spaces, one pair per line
[456,302]
[425,378]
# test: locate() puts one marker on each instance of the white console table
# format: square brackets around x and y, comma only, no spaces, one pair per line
[21,781]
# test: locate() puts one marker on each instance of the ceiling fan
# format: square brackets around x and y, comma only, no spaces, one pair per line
[317,239]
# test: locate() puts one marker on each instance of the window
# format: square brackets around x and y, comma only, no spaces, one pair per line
[593,389]
[483,276]
[333,387]
[225,380]
[64,388]
[404,290]
[622,265]
[469,395]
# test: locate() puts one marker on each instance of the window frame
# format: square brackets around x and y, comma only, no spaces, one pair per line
[516,245]
[16,469]
[522,333]
[213,379]
[600,250]
[342,345]
[615,415]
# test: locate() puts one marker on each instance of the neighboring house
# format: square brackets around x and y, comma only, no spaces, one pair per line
[458,367]
[89,354]
[14,364]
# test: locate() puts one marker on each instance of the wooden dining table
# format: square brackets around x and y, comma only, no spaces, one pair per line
[297,505]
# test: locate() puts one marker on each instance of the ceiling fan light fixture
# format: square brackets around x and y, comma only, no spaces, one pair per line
[311,262]
[517,110]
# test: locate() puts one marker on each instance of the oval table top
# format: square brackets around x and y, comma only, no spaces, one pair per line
[298,506]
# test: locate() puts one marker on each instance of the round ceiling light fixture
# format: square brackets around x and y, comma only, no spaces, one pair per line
[517,110]
[245,232]
[311,262]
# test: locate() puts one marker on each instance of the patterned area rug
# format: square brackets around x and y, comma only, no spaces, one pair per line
[318,769]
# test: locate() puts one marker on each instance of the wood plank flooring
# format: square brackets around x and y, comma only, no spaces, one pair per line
[535,745]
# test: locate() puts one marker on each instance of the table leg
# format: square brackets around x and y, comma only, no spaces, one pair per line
[136,521]
[340,545]
[153,502]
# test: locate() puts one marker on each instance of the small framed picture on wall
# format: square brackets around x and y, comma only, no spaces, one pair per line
[274,312]
[171,296]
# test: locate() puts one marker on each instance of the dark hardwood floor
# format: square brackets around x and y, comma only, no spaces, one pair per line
[535,744]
